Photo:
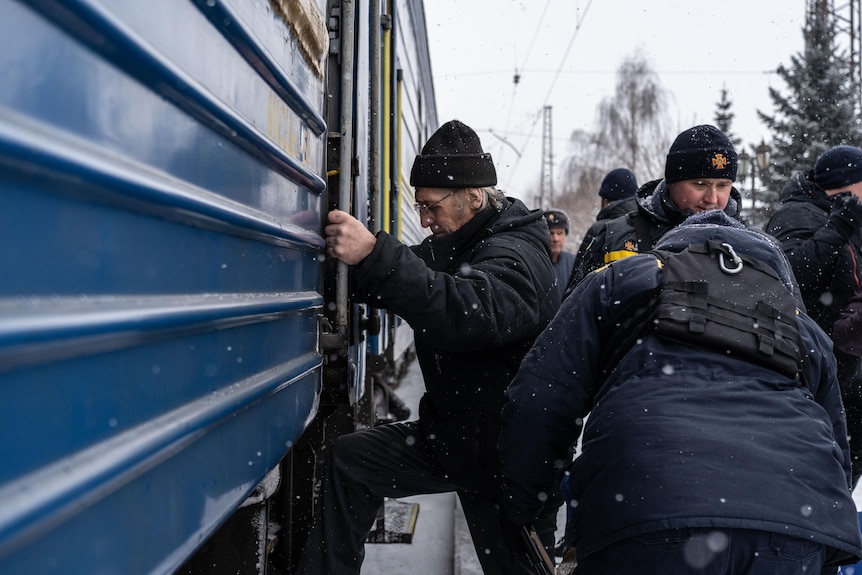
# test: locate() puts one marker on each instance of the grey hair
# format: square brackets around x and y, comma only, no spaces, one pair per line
[492,197]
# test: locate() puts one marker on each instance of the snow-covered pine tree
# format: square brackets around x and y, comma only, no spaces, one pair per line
[820,108]
[724,118]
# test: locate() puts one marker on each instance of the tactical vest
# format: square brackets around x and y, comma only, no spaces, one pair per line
[713,298]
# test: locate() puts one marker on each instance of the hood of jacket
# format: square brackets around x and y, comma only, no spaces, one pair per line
[654,198]
[800,189]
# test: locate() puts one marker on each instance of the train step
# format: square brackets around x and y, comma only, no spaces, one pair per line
[396,522]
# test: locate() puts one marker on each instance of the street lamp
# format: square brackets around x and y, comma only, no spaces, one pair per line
[754,167]
[744,164]
[761,155]
[762,152]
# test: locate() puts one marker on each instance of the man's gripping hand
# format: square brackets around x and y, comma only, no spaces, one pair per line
[347,239]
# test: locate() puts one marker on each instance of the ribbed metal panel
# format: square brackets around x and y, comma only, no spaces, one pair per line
[160,199]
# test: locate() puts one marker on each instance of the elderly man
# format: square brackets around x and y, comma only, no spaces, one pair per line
[477,292]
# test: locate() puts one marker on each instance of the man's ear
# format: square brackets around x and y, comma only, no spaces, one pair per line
[474,196]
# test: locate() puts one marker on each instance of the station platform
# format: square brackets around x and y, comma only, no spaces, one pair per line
[441,542]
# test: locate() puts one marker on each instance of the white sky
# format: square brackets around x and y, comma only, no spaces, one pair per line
[695,47]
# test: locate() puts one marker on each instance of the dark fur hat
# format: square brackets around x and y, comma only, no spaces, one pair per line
[557,219]
[700,152]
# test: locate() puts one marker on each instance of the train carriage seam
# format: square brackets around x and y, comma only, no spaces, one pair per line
[303,22]
[84,478]
[41,332]
[130,53]
[31,148]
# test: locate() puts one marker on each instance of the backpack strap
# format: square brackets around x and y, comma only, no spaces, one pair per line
[642,232]
[634,326]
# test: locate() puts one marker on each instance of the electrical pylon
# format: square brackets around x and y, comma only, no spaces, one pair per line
[848,27]
[546,194]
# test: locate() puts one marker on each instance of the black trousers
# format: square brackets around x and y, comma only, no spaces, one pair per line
[850,381]
[391,461]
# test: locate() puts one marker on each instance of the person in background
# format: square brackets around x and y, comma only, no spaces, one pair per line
[847,329]
[693,460]
[818,221]
[476,292]
[617,192]
[558,226]
[699,173]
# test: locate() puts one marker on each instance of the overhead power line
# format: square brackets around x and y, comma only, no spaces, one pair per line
[711,72]
[520,69]
[554,81]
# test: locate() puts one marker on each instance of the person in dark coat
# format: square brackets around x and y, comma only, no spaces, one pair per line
[476,292]
[693,460]
[700,170]
[558,227]
[818,221]
[618,193]
[847,329]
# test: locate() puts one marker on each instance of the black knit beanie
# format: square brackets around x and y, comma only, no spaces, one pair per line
[838,167]
[453,158]
[700,152]
[618,184]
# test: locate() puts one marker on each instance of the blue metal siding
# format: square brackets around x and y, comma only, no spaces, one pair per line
[160,197]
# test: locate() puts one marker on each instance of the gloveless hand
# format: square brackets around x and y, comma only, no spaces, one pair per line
[347,239]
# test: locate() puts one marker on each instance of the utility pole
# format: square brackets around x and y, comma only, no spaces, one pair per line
[546,195]
[848,25]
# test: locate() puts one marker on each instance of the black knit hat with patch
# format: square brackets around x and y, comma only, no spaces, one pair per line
[700,152]
[453,158]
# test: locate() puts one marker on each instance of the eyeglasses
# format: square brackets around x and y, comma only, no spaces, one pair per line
[421,207]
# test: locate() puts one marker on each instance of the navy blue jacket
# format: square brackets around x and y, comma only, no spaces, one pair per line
[563,270]
[613,210]
[677,436]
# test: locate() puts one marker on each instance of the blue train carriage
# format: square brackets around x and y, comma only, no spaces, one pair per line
[161,189]
[168,326]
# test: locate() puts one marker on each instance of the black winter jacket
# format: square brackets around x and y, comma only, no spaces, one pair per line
[821,238]
[612,210]
[618,238]
[677,436]
[476,300]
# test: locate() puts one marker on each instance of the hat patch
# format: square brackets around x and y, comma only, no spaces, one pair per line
[719,161]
